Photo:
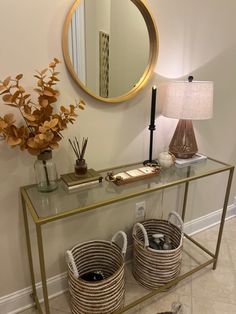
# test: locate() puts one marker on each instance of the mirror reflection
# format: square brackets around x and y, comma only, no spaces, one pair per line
[108,45]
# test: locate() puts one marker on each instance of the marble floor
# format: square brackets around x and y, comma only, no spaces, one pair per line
[205,292]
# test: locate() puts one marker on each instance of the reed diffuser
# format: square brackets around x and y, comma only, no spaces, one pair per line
[80,165]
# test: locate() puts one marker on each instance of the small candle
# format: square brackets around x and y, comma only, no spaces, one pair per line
[153,105]
[165,159]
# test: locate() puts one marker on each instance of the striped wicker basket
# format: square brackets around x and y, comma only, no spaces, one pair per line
[96,297]
[153,268]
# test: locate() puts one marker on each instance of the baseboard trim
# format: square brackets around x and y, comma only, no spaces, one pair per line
[20,300]
[208,221]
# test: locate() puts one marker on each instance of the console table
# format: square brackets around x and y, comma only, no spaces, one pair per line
[107,193]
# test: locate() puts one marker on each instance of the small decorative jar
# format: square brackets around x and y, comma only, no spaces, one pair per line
[166,159]
[45,172]
[80,167]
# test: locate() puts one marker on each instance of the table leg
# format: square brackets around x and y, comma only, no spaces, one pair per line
[185,195]
[42,267]
[222,221]
[185,200]
[29,249]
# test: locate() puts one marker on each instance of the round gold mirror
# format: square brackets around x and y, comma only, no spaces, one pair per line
[110,47]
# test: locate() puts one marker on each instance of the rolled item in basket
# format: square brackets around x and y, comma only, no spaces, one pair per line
[160,241]
[167,244]
[156,241]
[153,245]
[93,276]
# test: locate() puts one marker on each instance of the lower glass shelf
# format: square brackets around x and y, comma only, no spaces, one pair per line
[194,259]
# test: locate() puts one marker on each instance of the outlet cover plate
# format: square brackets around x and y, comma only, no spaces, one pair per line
[140,209]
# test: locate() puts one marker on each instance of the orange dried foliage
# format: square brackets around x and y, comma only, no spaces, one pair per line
[42,126]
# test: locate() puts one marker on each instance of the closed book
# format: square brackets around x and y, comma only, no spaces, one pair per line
[188,161]
[71,179]
[79,186]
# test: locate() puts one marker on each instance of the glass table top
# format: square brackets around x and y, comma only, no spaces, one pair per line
[60,201]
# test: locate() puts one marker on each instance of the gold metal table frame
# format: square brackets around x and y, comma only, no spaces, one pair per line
[175,176]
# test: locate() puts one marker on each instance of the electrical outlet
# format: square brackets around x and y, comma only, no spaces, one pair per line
[140,209]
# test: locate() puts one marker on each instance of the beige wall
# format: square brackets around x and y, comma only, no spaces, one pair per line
[196,37]
[129,47]
[97,18]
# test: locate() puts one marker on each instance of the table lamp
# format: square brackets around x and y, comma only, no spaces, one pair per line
[187,101]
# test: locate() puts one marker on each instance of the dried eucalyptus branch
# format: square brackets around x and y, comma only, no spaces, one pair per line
[42,126]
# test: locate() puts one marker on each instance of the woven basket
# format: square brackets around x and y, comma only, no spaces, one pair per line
[153,268]
[96,297]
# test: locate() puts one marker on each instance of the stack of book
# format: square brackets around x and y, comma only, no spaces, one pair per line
[187,162]
[71,181]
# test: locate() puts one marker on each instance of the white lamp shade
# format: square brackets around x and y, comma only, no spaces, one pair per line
[186,100]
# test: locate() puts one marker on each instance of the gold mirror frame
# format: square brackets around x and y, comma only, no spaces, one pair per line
[153,40]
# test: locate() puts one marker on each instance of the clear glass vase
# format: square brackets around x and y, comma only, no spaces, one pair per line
[45,172]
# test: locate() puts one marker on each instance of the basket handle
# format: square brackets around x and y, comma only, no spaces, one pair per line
[125,242]
[139,225]
[70,259]
[179,219]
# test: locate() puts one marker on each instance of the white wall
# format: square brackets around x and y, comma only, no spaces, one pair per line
[196,37]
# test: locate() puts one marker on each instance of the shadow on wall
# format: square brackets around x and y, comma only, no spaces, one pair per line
[186,34]
[215,134]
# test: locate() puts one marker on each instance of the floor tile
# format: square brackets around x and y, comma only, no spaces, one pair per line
[206,306]
[61,302]
[164,302]
[216,284]
[57,311]
[52,311]
[133,292]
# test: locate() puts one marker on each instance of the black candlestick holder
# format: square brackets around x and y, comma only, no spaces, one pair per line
[150,161]
[152,128]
